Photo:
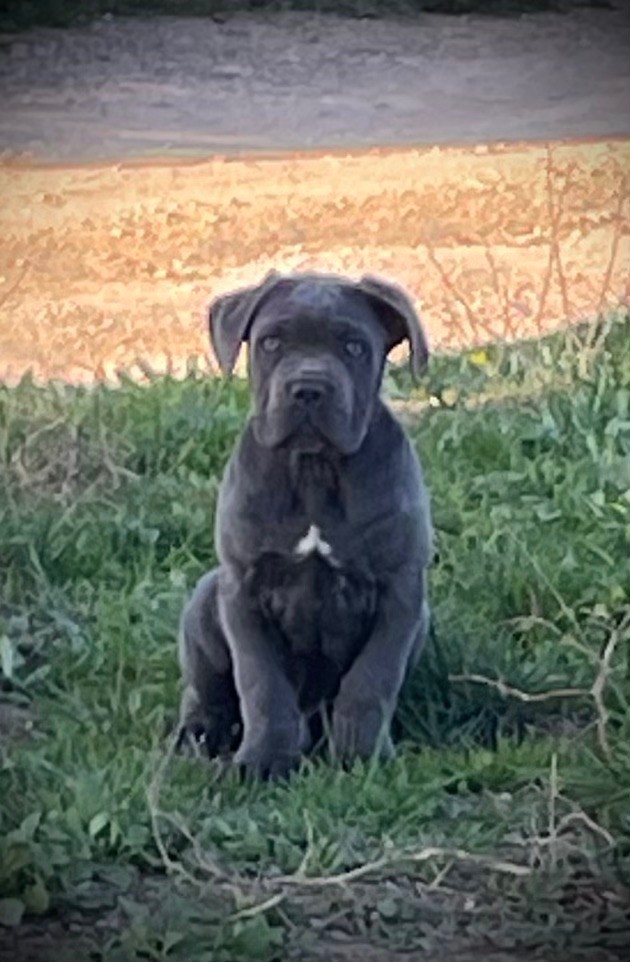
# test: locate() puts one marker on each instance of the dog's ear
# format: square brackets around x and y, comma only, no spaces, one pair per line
[230,317]
[399,318]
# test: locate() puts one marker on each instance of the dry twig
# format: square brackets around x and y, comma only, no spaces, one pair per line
[397,858]
[4,297]
[508,690]
[596,690]
[624,194]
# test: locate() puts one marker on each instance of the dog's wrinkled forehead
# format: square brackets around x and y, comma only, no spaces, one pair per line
[324,300]
[382,310]
[317,296]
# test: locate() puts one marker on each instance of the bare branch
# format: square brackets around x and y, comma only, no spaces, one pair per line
[4,297]
[502,295]
[450,286]
[624,193]
[252,910]
[397,858]
[507,690]
[599,685]
[596,691]
[581,816]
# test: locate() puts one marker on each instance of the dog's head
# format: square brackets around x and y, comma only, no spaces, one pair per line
[317,347]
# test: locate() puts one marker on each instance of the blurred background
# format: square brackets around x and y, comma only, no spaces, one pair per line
[158,153]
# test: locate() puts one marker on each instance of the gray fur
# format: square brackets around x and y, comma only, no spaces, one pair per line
[323,532]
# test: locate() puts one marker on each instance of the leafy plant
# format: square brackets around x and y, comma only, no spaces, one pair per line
[507,804]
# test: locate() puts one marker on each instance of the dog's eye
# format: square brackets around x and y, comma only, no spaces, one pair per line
[355,348]
[270,343]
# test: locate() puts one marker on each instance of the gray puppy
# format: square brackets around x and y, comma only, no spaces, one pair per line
[319,604]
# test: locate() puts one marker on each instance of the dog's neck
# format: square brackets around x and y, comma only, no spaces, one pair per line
[313,482]
[314,479]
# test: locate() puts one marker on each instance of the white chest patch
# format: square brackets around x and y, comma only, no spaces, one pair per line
[313,541]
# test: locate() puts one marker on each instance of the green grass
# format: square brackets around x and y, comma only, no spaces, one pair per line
[23,14]
[106,511]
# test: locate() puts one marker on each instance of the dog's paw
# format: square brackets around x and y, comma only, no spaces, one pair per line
[206,738]
[360,733]
[267,758]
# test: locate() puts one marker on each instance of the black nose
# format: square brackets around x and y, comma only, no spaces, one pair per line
[307,393]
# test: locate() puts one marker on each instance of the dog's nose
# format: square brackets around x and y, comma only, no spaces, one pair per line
[307,393]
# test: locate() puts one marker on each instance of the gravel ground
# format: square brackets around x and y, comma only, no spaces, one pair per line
[167,86]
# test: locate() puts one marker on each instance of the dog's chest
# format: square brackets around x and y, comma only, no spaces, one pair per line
[312,543]
[323,607]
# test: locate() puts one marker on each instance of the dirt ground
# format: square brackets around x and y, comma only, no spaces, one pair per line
[105,262]
[127,88]
[102,265]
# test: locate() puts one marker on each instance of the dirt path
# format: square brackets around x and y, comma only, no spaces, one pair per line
[177,87]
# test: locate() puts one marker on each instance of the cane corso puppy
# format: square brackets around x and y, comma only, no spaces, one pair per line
[319,604]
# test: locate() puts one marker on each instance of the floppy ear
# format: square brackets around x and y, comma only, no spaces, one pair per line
[230,318]
[399,318]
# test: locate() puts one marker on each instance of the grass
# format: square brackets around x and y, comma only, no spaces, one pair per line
[24,14]
[504,820]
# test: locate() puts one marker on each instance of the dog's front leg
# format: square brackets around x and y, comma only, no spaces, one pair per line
[368,693]
[273,729]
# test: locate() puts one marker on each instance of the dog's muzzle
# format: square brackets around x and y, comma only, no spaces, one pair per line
[309,398]
[309,393]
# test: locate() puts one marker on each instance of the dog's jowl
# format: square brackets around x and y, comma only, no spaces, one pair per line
[318,607]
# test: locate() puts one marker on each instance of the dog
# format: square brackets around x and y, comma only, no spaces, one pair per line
[306,630]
